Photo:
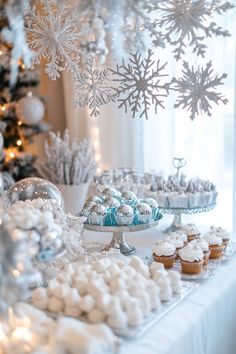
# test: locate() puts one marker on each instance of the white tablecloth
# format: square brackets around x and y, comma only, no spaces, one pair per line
[203,323]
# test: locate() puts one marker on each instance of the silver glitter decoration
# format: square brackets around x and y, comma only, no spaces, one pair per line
[184,23]
[124,215]
[55,35]
[129,197]
[98,214]
[111,202]
[33,188]
[196,89]
[141,84]
[110,192]
[93,89]
[144,213]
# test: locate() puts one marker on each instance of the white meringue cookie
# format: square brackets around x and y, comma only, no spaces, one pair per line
[159,273]
[119,321]
[81,285]
[97,289]
[64,278]
[177,288]
[96,315]
[163,283]
[86,303]
[41,304]
[121,264]
[166,294]
[135,262]
[134,313]
[174,276]
[102,302]
[116,285]
[114,270]
[145,304]
[55,304]
[114,307]
[101,265]
[62,291]
[129,271]
[72,311]
[156,266]
[39,294]
[72,298]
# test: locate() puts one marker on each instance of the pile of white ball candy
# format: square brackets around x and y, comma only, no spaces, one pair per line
[118,292]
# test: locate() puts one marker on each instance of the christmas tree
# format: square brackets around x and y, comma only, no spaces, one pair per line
[21,116]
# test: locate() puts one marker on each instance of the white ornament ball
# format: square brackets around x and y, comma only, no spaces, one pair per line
[30,110]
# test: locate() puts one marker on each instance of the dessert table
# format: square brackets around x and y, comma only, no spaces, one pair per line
[203,323]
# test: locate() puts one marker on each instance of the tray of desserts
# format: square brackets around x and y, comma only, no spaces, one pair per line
[194,255]
[126,294]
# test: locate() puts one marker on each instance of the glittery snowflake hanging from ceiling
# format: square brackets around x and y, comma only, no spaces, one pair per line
[196,89]
[54,35]
[93,88]
[141,84]
[184,23]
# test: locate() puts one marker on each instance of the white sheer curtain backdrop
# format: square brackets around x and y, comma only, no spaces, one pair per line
[206,143]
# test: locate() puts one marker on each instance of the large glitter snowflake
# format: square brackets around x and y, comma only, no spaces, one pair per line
[196,89]
[93,88]
[54,35]
[140,84]
[183,23]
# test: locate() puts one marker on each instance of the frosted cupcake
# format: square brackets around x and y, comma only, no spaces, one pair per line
[204,247]
[164,252]
[191,259]
[222,233]
[215,244]
[191,231]
[180,235]
[176,242]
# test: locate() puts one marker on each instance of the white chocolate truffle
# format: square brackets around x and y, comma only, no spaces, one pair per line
[102,303]
[62,291]
[134,314]
[116,285]
[119,321]
[156,266]
[129,271]
[101,265]
[158,274]
[87,303]
[96,315]
[81,285]
[55,304]
[72,299]
[72,311]
[97,289]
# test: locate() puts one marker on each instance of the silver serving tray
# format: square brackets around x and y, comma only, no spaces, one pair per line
[135,332]
[167,306]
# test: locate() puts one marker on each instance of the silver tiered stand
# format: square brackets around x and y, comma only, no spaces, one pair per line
[118,240]
[177,224]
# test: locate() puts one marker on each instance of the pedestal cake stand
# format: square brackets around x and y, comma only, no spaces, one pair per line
[118,240]
[177,224]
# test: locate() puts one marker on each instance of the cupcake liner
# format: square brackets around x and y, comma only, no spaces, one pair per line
[206,256]
[216,251]
[168,261]
[226,241]
[191,267]
[192,237]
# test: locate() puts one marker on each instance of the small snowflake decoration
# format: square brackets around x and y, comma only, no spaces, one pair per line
[93,89]
[187,22]
[140,84]
[196,89]
[53,35]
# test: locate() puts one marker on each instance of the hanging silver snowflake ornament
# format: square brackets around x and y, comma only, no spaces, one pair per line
[196,89]
[183,23]
[93,88]
[141,84]
[54,35]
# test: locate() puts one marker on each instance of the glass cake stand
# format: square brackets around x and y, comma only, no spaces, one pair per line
[118,240]
[177,224]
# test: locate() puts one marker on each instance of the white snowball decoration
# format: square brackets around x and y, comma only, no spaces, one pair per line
[30,110]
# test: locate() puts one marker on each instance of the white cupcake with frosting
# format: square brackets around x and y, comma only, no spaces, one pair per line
[222,233]
[178,243]
[215,244]
[191,258]
[164,252]
[204,247]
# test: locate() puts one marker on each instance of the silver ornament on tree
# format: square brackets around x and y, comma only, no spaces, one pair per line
[33,188]
[30,110]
